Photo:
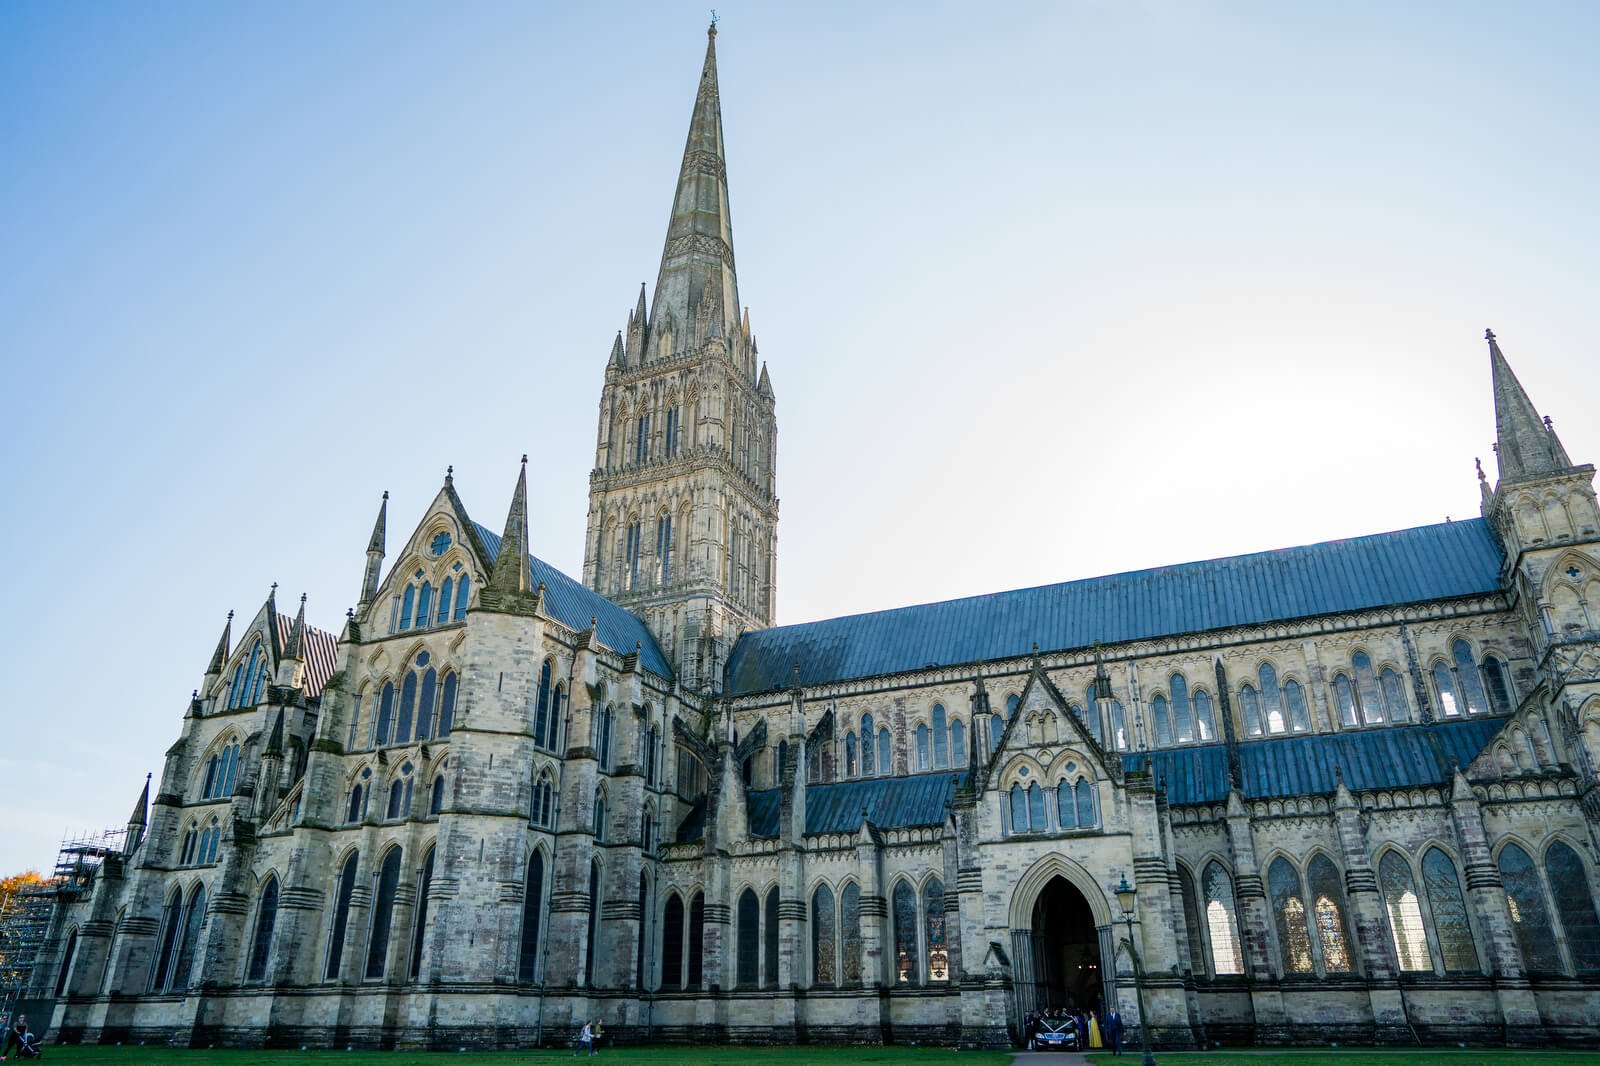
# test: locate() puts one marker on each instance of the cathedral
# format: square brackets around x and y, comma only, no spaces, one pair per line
[1347,791]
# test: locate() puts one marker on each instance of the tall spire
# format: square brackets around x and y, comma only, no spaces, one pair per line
[511,573]
[220,656]
[1526,445]
[297,635]
[141,807]
[697,261]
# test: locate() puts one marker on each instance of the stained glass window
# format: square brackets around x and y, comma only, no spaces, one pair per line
[850,768]
[447,706]
[905,933]
[462,588]
[933,914]
[1205,725]
[171,915]
[868,762]
[1395,706]
[1569,887]
[1328,908]
[941,751]
[425,604]
[1191,919]
[261,943]
[430,690]
[446,591]
[672,943]
[1451,926]
[922,746]
[958,742]
[541,707]
[1086,815]
[1250,709]
[664,547]
[1367,689]
[823,934]
[436,795]
[1471,684]
[352,812]
[383,914]
[1405,913]
[441,544]
[885,763]
[396,790]
[1530,918]
[1289,912]
[1019,809]
[385,715]
[1271,700]
[748,965]
[1036,819]
[850,934]
[633,554]
[1162,717]
[1221,926]
[408,706]
[341,917]
[407,604]
[1182,713]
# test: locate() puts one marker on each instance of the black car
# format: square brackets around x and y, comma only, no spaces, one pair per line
[1056,1034]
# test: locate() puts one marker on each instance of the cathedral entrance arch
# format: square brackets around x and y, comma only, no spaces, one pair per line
[1061,929]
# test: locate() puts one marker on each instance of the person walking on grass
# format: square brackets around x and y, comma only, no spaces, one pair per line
[585,1040]
[1114,1030]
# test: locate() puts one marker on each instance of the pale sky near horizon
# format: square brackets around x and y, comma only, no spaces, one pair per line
[1046,291]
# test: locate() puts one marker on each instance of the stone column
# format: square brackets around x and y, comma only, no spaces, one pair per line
[1365,903]
[1266,997]
[1487,896]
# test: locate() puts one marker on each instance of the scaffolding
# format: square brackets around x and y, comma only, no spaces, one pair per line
[29,932]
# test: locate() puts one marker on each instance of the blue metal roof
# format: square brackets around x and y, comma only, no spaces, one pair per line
[1408,566]
[572,604]
[889,802]
[1397,757]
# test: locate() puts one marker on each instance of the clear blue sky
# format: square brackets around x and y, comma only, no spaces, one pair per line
[1046,290]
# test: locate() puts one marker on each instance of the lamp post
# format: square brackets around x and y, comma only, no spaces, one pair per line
[1125,900]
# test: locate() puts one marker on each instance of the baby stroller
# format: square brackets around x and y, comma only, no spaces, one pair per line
[28,1047]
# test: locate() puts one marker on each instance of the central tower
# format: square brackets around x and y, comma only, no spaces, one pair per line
[683,512]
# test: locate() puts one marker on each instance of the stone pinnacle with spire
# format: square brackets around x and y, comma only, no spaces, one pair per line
[511,572]
[224,645]
[375,550]
[296,648]
[1526,445]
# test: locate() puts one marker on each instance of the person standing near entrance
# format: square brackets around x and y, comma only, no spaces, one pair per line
[1094,1030]
[1114,1030]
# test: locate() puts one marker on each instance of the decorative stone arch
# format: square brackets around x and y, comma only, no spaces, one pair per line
[1011,773]
[1058,767]
[1040,874]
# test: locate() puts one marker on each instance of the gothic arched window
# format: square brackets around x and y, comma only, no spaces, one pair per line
[1367,694]
[385,719]
[850,934]
[1182,712]
[194,914]
[447,705]
[1066,805]
[748,959]
[1086,813]
[1405,913]
[1191,919]
[1036,819]
[1019,809]
[220,770]
[1327,908]
[462,591]
[1569,887]
[341,918]
[446,593]
[1497,680]
[593,923]
[388,884]
[868,758]
[1396,708]
[850,765]
[1451,927]
[934,930]
[532,911]
[631,560]
[922,746]
[1289,913]
[1530,917]
[603,737]
[664,548]
[541,706]
[408,706]
[1250,710]
[1467,673]
[191,844]
[905,933]
[1221,922]
[600,819]
[1295,697]
[1162,717]
[424,604]
[430,690]
[1205,724]
[958,743]
[419,922]
[941,750]
[407,605]
[672,943]
[67,955]
[770,939]
[1344,694]
[436,795]
[261,942]
[885,763]
[823,932]
[697,939]
[1445,683]
[1271,699]
[171,917]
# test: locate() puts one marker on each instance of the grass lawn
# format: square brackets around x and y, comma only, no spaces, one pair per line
[644,1056]
[1361,1057]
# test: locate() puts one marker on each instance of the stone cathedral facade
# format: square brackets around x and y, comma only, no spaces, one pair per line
[1355,785]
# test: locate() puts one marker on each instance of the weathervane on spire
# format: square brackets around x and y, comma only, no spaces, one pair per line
[715,18]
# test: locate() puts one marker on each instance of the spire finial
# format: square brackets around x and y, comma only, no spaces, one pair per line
[450,474]
[511,571]
[1488,335]
[1478,462]
[715,18]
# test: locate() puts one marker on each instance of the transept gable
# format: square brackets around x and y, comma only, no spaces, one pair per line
[443,537]
[1044,734]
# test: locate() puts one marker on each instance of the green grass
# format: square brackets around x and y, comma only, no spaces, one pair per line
[644,1056]
[1360,1057]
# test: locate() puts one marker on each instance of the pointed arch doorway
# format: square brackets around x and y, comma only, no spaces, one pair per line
[1057,957]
